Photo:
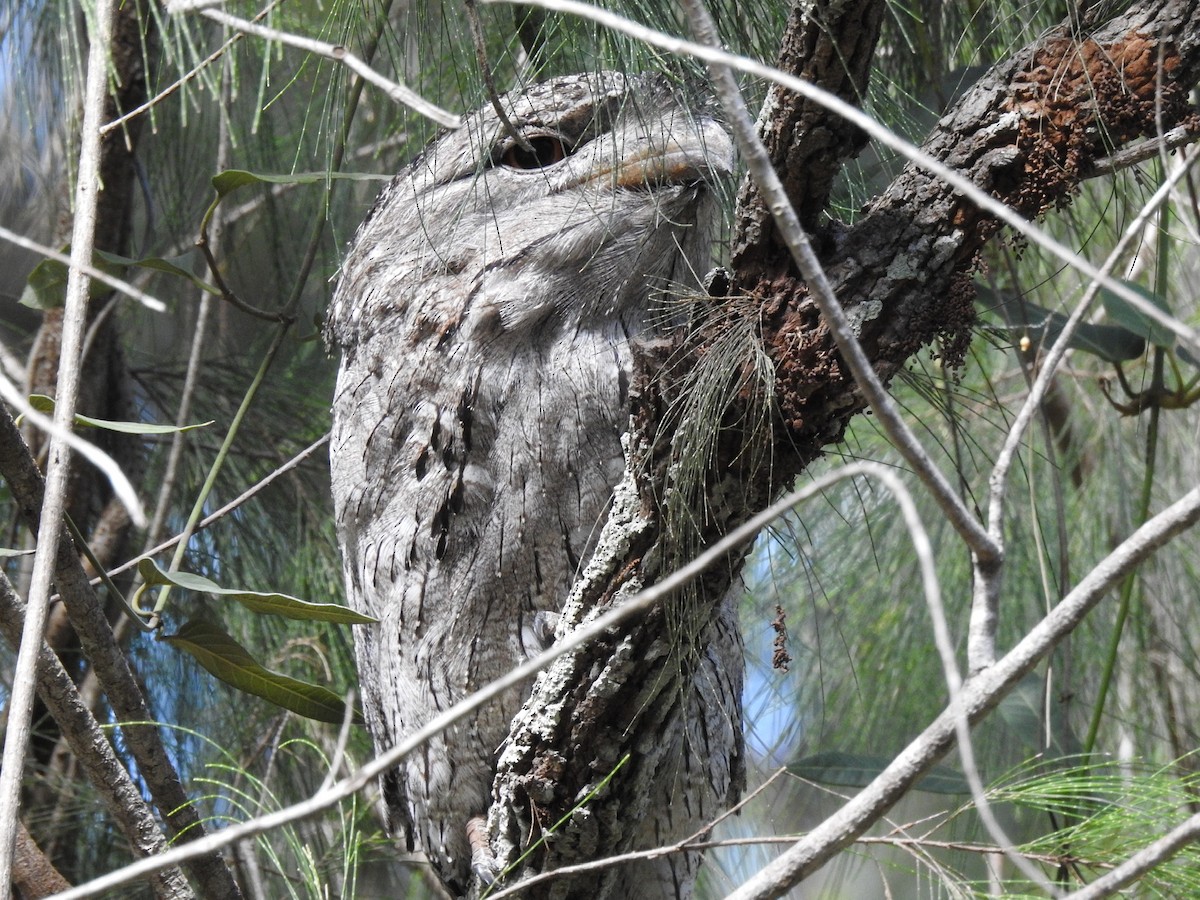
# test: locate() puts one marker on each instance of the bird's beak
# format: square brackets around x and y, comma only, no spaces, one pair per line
[699,151]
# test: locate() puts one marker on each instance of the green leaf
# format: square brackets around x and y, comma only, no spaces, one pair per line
[860,769]
[46,286]
[1124,313]
[8,552]
[44,404]
[227,660]
[161,264]
[255,601]
[231,179]
[1111,343]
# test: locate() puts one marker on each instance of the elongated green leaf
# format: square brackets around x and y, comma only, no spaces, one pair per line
[45,404]
[231,179]
[176,266]
[1124,313]
[256,601]
[1112,343]
[229,661]
[860,769]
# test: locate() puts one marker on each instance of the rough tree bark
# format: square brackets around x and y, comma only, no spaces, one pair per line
[1028,133]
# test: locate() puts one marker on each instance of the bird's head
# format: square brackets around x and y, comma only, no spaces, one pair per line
[592,198]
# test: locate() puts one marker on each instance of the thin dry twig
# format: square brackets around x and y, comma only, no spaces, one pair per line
[1171,140]
[489,83]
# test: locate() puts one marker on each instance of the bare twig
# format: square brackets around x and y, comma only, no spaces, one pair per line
[108,660]
[485,68]
[978,696]
[985,548]
[1147,149]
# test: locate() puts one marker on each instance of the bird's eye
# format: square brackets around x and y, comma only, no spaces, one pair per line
[544,150]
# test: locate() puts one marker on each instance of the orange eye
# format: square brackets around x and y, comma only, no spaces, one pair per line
[546,151]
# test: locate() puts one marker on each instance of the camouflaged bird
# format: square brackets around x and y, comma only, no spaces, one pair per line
[485,317]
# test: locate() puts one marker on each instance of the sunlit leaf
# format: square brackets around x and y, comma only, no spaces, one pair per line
[256,601]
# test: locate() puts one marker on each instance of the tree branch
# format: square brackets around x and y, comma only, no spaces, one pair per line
[111,667]
[92,748]
[16,735]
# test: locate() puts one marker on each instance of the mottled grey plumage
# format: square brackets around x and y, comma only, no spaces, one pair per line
[485,316]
